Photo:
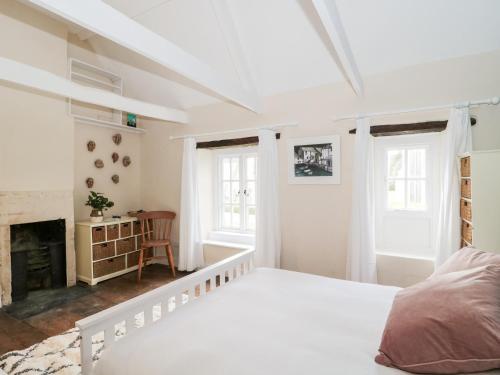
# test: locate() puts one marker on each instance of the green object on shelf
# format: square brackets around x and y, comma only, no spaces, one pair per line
[131,120]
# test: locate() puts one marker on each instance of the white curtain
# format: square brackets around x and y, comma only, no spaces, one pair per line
[361,257]
[268,231]
[190,245]
[457,139]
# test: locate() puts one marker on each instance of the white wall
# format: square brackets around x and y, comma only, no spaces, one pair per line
[40,150]
[315,218]
[40,147]
[126,194]
[36,148]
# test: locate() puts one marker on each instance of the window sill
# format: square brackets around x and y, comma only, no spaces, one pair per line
[230,245]
[232,238]
[406,256]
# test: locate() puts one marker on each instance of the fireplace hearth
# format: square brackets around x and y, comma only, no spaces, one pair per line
[38,257]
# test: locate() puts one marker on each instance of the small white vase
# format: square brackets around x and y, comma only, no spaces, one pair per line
[96,216]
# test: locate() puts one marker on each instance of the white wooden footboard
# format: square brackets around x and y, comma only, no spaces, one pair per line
[174,294]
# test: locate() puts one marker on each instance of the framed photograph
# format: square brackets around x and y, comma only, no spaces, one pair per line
[314,160]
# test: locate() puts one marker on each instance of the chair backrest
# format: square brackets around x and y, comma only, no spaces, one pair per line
[157,222]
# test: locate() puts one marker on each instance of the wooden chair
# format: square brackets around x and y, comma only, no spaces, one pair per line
[156,227]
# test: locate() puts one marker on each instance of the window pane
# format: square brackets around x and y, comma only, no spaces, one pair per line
[235,169]
[235,222]
[251,164]
[251,218]
[235,192]
[395,166]
[395,194]
[226,169]
[250,192]
[416,163]
[226,216]
[226,192]
[416,195]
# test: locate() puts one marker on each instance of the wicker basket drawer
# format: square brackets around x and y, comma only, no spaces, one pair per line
[465,166]
[139,241]
[98,234]
[467,232]
[465,188]
[137,227]
[125,230]
[125,246]
[112,231]
[109,266]
[103,250]
[133,258]
[466,210]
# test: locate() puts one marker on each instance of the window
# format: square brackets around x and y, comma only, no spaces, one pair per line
[406,178]
[235,190]
[407,194]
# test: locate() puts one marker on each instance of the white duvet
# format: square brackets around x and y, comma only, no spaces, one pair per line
[269,322]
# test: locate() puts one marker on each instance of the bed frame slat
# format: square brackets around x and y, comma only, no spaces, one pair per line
[178,301]
[109,336]
[148,315]
[222,278]
[86,353]
[105,321]
[130,324]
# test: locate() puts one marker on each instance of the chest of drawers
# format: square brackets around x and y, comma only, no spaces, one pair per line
[108,249]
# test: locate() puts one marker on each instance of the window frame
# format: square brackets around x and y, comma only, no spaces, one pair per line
[431,142]
[405,146]
[242,153]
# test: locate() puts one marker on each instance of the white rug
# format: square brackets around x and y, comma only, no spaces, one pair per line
[61,354]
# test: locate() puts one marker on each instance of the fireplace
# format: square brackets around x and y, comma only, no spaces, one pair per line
[38,257]
[40,226]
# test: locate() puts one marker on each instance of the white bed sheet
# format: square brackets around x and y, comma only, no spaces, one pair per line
[269,322]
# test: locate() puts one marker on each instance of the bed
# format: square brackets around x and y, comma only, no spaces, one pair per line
[245,321]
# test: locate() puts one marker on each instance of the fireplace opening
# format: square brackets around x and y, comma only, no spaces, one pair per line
[38,257]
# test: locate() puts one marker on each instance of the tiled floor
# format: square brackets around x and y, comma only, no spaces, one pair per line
[19,334]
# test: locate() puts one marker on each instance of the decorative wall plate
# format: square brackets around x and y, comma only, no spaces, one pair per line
[99,163]
[115,178]
[117,138]
[115,157]
[90,182]
[90,146]
[126,161]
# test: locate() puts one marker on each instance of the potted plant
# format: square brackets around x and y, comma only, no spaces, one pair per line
[99,203]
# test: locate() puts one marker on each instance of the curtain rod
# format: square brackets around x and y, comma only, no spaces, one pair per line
[491,101]
[269,127]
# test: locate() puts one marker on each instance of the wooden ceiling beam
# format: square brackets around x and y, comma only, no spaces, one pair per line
[330,17]
[233,42]
[42,80]
[102,19]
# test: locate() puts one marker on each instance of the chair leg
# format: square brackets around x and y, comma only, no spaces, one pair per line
[170,258]
[139,271]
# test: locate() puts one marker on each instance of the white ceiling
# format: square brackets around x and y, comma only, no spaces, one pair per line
[285,46]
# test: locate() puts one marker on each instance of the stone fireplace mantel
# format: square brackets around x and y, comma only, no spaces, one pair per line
[27,207]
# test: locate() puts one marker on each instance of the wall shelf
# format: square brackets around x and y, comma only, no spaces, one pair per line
[92,76]
[107,124]
[78,76]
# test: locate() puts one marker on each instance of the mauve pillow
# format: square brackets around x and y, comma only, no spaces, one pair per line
[447,324]
[465,259]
